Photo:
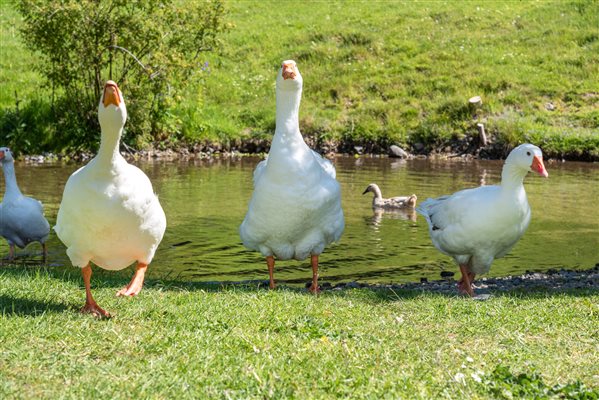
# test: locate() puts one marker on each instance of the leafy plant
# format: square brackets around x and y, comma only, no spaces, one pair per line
[150,48]
[503,384]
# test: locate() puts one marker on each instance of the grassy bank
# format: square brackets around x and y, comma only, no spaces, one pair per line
[383,72]
[378,73]
[190,341]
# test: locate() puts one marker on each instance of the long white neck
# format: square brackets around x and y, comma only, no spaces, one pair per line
[10,179]
[288,140]
[377,192]
[512,177]
[109,145]
[288,103]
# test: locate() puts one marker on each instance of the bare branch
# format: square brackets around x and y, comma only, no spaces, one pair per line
[126,65]
[114,46]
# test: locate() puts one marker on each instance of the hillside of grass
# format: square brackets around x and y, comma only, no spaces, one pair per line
[381,73]
[183,340]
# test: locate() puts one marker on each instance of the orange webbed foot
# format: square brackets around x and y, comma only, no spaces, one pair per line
[465,283]
[132,289]
[95,310]
[136,284]
[463,288]
[314,289]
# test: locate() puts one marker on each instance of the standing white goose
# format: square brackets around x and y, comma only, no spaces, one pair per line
[295,210]
[22,218]
[476,226]
[109,213]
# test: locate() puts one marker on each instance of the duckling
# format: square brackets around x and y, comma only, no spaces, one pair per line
[392,203]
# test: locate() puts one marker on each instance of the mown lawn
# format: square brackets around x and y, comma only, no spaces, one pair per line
[377,73]
[179,340]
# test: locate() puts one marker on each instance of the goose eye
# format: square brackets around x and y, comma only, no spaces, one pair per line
[528,153]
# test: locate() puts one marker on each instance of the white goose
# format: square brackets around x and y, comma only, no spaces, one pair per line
[475,226]
[392,203]
[22,218]
[109,213]
[295,210]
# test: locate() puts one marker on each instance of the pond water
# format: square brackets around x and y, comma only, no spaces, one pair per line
[205,201]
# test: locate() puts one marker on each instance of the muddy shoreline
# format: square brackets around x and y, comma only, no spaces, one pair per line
[465,149]
[552,280]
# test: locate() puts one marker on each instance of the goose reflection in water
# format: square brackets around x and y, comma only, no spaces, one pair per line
[408,214]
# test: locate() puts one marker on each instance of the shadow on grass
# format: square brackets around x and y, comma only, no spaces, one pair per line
[15,306]
[370,293]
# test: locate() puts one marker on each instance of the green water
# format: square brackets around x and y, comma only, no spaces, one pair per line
[205,201]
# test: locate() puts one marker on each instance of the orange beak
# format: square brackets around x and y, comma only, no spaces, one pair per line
[538,167]
[111,94]
[288,71]
[1,154]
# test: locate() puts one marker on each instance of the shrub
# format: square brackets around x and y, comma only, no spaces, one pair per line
[150,48]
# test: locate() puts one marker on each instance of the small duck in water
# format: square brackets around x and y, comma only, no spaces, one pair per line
[392,203]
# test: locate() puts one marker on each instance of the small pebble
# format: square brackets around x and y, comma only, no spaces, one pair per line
[353,285]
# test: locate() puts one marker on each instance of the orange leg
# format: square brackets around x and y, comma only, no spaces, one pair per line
[314,287]
[270,261]
[471,276]
[465,283]
[137,282]
[45,252]
[11,252]
[91,307]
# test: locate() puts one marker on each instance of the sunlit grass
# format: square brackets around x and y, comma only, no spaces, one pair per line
[383,72]
[19,80]
[196,341]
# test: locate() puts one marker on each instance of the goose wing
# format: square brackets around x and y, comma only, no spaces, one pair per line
[325,164]
[259,170]
[457,221]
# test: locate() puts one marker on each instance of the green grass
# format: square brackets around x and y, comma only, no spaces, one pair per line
[19,80]
[179,340]
[377,73]
[390,72]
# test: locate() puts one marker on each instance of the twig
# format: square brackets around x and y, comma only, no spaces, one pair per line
[114,46]
[125,70]
[127,148]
